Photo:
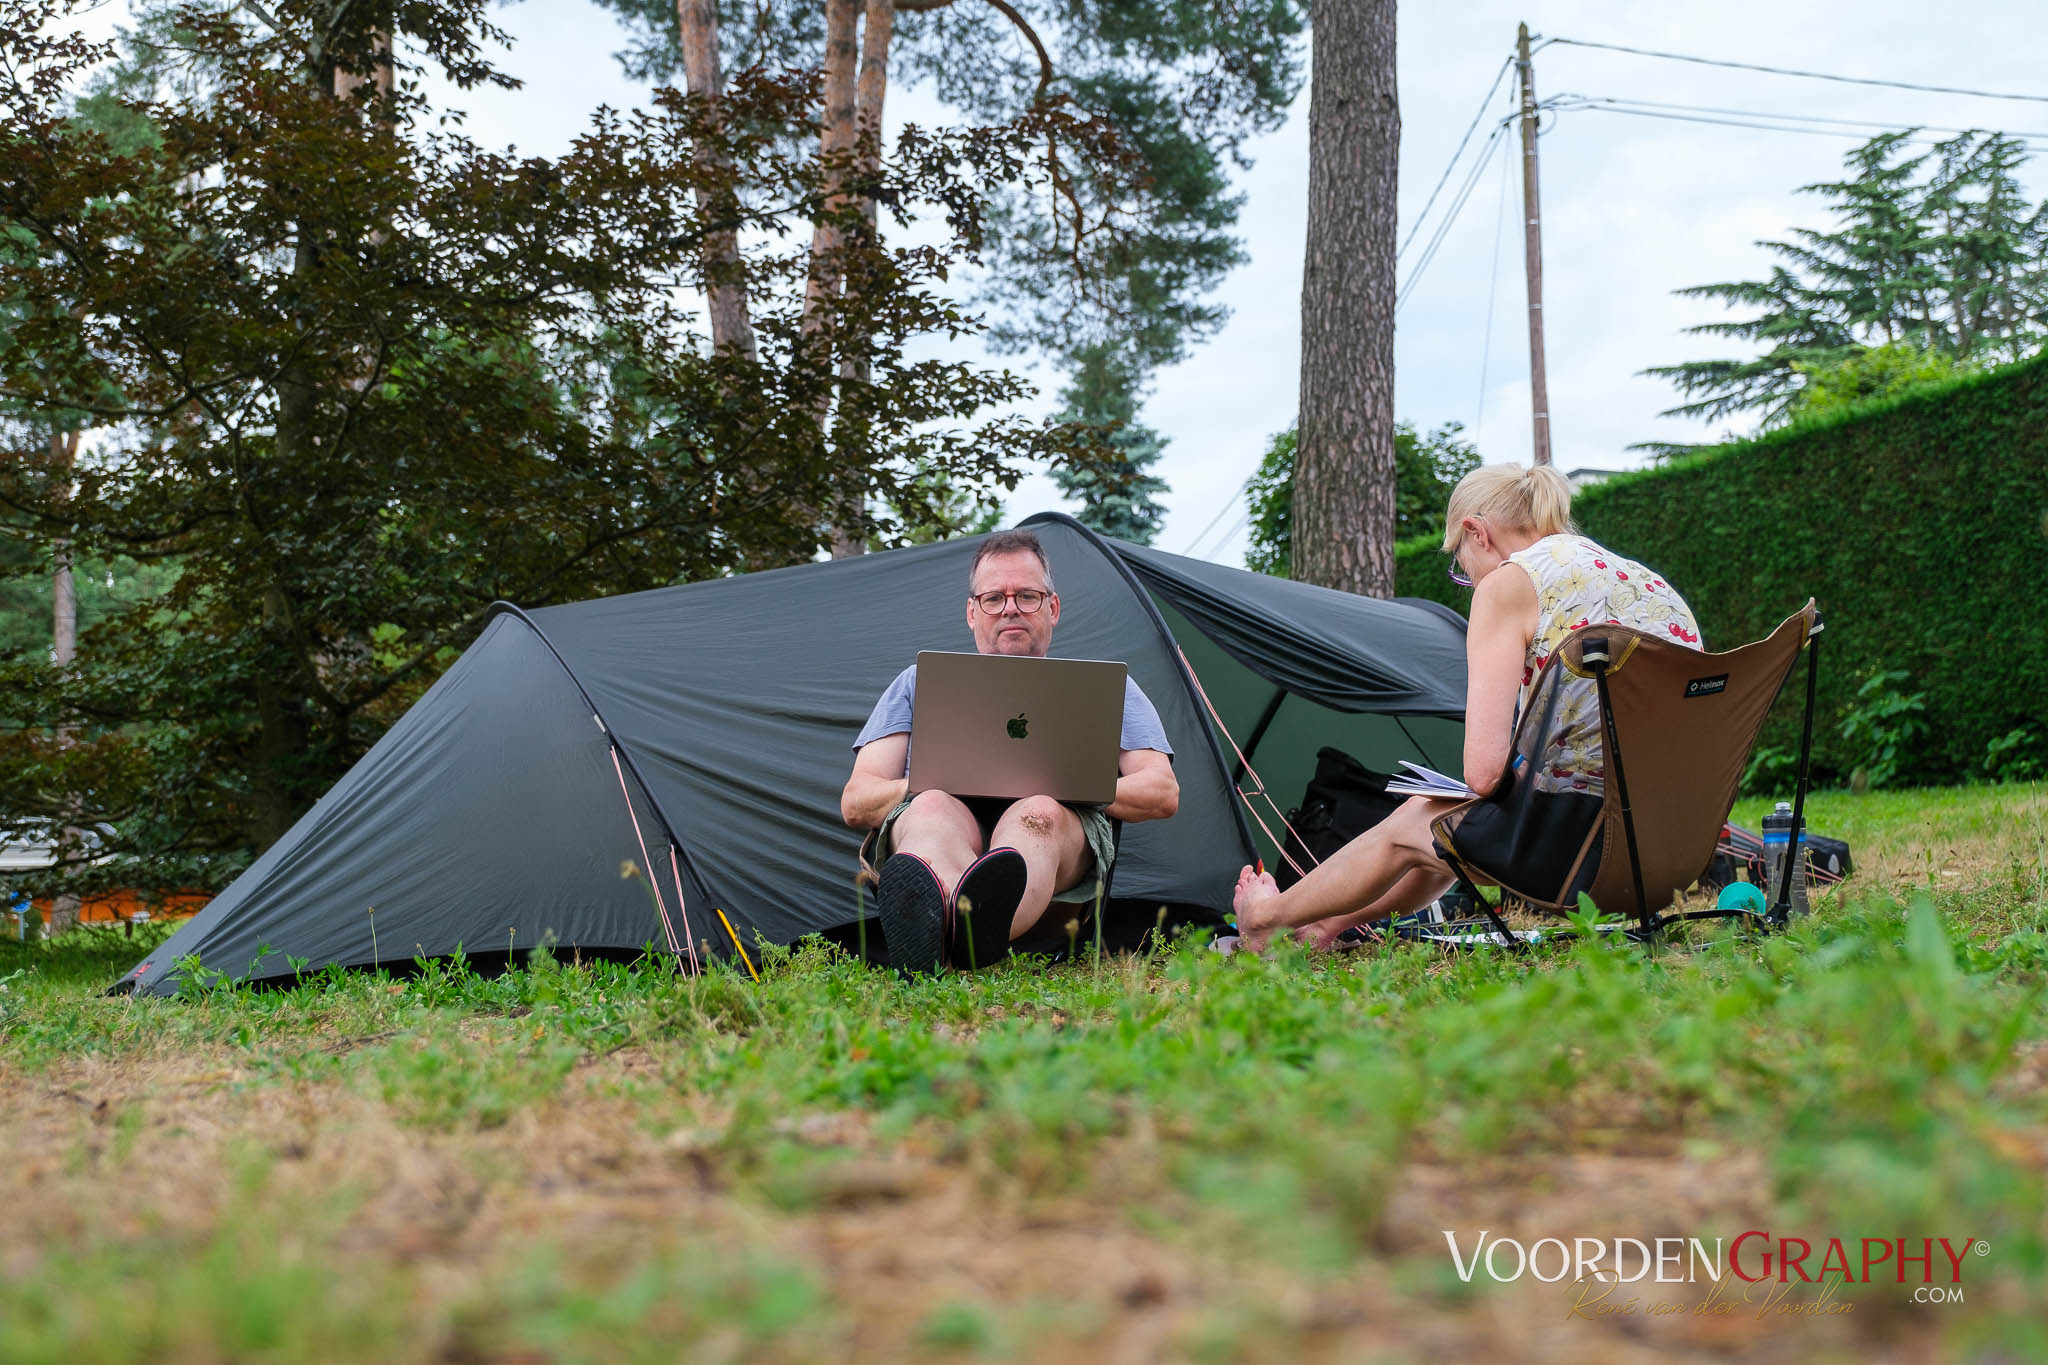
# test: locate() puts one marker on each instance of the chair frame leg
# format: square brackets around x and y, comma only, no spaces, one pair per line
[1615,769]
[1508,938]
[1780,913]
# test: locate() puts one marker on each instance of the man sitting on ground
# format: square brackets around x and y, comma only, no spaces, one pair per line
[941,897]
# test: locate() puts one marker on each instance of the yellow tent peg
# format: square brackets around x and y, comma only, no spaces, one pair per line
[736,943]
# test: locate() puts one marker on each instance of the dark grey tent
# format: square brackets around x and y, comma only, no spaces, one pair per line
[496,813]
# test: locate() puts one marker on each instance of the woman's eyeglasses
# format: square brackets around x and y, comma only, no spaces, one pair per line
[1028,601]
[1458,575]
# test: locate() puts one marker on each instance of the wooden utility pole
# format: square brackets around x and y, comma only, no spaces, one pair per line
[1532,252]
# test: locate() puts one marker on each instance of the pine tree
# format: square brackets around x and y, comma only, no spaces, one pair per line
[1937,252]
[1119,497]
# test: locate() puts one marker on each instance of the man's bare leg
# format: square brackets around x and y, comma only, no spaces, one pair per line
[941,830]
[1055,850]
[1348,881]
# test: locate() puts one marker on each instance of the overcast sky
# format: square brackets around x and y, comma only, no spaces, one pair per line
[1634,207]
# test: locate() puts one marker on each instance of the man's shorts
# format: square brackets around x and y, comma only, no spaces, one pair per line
[987,810]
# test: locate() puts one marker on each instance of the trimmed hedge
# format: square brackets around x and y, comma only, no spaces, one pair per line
[1920,523]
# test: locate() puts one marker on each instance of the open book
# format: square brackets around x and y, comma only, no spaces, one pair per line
[1421,781]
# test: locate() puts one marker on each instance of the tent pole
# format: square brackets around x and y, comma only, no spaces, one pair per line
[689,941]
[1418,744]
[1251,743]
[654,882]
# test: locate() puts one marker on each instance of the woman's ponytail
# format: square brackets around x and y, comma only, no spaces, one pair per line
[1517,497]
[1549,498]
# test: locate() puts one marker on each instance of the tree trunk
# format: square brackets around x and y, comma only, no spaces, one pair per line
[850,433]
[1344,468]
[281,691]
[838,133]
[64,652]
[878,27]
[64,600]
[725,285]
[346,84]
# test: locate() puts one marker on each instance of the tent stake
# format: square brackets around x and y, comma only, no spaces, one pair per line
[736,942]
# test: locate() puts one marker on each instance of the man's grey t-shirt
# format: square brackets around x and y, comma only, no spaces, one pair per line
[891,716]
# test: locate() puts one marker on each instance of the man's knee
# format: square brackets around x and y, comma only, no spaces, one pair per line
[935,802]
[934,811]
[1038,815]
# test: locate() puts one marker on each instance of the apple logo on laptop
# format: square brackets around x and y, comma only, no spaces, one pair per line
[1018,726]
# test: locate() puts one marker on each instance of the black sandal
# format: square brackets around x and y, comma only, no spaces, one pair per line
[912,907]
[984,906]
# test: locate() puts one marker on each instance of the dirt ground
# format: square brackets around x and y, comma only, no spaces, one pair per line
[184,1154]
[918,1246]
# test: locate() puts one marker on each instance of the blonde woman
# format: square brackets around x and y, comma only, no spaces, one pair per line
[1534,580]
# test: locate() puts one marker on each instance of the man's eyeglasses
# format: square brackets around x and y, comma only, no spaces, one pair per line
[1028,601]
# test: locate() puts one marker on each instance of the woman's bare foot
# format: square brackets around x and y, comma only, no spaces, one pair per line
[1254,891]
[1319,937]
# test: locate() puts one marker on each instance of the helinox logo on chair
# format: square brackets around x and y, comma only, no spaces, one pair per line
[1707,687]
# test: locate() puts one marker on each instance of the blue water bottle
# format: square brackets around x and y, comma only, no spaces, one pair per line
[1778,846]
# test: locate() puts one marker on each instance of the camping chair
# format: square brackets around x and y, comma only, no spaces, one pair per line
[1678,727]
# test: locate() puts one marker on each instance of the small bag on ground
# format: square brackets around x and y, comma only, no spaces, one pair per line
[1343,800]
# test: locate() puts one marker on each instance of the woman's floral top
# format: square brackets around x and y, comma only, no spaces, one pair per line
[1579,584]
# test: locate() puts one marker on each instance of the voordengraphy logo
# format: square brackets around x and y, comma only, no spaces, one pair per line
[1755,1268]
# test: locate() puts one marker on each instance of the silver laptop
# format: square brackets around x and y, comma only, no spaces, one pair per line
[1000,725]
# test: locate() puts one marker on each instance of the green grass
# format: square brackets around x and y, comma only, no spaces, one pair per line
[1874,1061]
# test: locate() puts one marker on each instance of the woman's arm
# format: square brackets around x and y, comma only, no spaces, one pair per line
[1496,648]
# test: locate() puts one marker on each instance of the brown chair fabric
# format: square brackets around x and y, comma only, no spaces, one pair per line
[1686,723]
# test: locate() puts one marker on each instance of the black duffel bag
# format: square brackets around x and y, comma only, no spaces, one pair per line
[1343,800]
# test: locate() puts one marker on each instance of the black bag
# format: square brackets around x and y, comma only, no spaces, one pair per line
[1739,856]
[1343,800]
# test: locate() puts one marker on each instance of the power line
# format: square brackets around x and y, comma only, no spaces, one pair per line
[1221,513]
[1500,218]
[1791,71]
[1450,217]
[2028,138]
[1565,101]
[1470,128]
[1229,537]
